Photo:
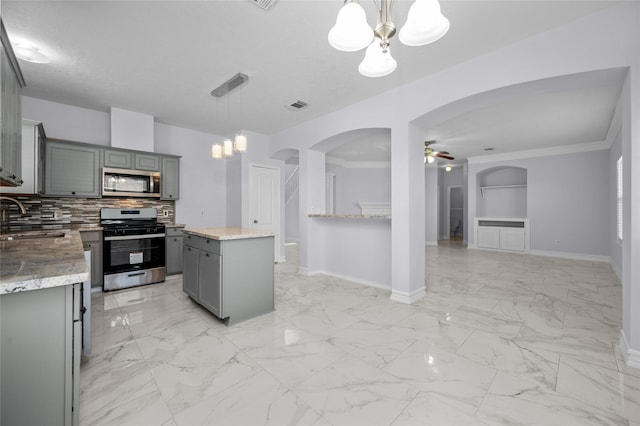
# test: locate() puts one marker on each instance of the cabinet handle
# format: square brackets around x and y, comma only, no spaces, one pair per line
[73,192]
[175,239]
[207,254]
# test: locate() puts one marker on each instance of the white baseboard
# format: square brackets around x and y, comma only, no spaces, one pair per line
[304,271]
[573,256]
[431,243]
[616,269]
[408,298]
[631,356]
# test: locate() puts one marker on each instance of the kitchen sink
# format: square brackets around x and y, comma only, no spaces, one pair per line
[30,236]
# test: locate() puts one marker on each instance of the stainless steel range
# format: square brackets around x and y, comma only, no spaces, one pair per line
[133,248]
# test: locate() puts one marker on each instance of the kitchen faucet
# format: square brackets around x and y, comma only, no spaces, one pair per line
[4,213]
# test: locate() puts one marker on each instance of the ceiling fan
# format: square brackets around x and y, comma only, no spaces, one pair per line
[430,153]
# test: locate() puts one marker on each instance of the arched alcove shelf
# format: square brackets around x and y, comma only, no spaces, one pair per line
[483,188]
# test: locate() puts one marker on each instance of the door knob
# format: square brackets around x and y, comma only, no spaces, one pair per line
[255,220]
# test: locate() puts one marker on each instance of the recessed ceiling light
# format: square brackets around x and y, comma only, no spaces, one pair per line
[30,53]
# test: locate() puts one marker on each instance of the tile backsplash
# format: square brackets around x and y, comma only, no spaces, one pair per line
[50,212]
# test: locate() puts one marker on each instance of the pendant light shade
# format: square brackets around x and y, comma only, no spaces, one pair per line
[425,24]
[216,151]
[351,31]
[227,148]
[377,62]
[240,143]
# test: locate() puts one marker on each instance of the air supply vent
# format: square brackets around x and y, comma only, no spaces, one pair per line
[234,82]
[263,4]
[297,105]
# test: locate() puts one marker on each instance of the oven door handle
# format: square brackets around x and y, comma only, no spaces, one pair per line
[134,237]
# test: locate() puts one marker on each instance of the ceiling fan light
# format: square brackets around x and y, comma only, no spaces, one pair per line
[429,159]
[216,151]
[425,24]
[351,31]
[376,62]
[240,143]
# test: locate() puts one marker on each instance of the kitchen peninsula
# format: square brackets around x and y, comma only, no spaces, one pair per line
[40,312]
[230,271]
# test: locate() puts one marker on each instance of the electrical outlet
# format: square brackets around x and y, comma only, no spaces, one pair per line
[165,213]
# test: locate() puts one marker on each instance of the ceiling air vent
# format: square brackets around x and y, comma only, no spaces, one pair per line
[297,105]
[235,81]
[263,4]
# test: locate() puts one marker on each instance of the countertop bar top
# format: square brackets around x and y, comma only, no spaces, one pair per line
[35,263]
[228,233]
[350,216]
[174,225]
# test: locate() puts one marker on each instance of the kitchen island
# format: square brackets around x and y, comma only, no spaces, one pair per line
[40,276]
[230,271]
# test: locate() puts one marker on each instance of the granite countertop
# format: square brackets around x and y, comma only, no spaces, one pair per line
[349,216]
[35,263]
[174,225]
[228,233]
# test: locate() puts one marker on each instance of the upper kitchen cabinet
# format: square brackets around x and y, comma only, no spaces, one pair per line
[11,113]
[118,158]
[33,138]
[148,162]
[170,175]
[72,169]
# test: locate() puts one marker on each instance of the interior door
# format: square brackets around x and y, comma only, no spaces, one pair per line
[265,201]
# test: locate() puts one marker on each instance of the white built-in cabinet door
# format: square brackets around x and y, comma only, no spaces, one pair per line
[488,237]
[512,239]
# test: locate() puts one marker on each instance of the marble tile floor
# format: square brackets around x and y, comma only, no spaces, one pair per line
[500,339]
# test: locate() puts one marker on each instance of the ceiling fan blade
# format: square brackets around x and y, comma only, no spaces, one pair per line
[446,157]
[444,152]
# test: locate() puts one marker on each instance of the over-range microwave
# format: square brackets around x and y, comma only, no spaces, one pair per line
[130,183]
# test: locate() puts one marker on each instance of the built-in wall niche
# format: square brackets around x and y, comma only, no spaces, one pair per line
[502,192]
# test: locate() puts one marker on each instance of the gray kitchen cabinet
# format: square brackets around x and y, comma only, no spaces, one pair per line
[11,85]
[148,162]
[40,356]
[92,241]
[117,158]
[190,278]
[231,278]
[170,175]
[33,137]
[72,169]
[174,250]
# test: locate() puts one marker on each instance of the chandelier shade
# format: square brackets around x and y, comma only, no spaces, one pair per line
[377,61]
[351,31]
[216,151]
[227,148]
[425,24]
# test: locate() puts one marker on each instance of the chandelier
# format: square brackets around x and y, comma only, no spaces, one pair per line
[425,24]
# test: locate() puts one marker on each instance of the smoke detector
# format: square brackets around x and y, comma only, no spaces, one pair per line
[263,4]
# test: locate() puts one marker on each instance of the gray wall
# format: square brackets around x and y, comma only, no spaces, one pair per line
[615,246]
[446,180]
[355,184]
[292,208]
[567,201]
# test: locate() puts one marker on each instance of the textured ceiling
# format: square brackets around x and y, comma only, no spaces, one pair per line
[164,57]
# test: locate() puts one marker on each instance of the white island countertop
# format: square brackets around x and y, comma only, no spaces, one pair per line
[35,263]
[228,233]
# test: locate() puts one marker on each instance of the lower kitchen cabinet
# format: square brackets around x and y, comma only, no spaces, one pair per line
[233,279]
[40,356]
[174,251]
[92,241]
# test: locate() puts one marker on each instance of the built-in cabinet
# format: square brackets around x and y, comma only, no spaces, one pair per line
[502,234]
[11,85]
[92,241]
[174,250]
[73,169]
[33,138]
[233,279]
[40,356]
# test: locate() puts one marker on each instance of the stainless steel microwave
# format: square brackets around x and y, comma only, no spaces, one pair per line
[130,183]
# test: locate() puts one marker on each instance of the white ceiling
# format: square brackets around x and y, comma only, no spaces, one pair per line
[163,58]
